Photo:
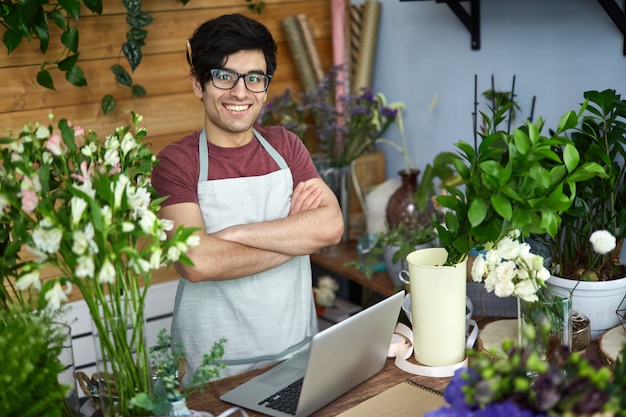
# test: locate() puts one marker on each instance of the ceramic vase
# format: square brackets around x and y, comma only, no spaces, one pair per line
[401,207]
[438,307]
[598,301]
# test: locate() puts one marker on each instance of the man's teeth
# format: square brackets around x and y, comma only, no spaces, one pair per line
[237,108]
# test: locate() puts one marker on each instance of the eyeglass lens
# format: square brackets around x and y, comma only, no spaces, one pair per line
[226,79]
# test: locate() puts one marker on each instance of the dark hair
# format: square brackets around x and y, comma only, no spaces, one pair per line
[215,39]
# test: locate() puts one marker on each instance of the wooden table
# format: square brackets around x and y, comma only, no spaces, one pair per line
[387,378]
[334,259]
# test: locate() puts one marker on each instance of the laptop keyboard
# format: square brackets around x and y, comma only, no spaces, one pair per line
[285,400]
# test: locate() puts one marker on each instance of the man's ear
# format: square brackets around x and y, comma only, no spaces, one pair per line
[196,86]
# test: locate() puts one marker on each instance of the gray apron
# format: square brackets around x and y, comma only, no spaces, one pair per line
[265,317]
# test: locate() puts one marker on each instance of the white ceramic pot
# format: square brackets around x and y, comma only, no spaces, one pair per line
[598,300]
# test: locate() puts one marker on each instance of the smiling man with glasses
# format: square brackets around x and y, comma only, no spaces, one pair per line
[257,200]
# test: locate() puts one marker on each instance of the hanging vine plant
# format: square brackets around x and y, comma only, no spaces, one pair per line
[31,19]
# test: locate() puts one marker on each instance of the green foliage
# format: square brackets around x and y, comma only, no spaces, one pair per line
[166,362]
[522,180]
[29,351]
[30,20]
[600,202]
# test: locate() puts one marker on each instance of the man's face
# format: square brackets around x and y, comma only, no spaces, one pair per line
[237,109]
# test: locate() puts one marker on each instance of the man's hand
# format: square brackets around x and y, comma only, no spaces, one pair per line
[305,197]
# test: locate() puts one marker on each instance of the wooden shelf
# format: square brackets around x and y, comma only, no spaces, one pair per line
[334,259]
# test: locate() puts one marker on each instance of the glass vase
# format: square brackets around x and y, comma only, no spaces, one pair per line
[66,376]
[545,323]
[121,362]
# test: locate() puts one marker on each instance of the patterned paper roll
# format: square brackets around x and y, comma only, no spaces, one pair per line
[297,45]
[311,50]
[367,45]
[355,19]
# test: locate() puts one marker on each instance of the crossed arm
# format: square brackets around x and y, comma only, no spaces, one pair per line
[314,221]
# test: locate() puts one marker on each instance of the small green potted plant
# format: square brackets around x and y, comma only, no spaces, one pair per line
[168,363]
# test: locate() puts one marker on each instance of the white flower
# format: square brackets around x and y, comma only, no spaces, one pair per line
[85,267]
[55,296]
[128,227]
[526,290]
[503,288]
[325,281]
[193,241]
[42,132]
[112,157]
[479,267]
[30,279]
[47,238]
[107,273]
[173,254]
[128,143]
[508,248]
[603,242]
[167,224]
[155,259]
[149,223]
[324,296]
[80,243]
[119,188]
[138,200]
[77,207]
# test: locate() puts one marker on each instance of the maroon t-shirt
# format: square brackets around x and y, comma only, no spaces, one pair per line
[177,173]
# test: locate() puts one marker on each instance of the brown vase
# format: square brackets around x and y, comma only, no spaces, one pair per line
[402,207]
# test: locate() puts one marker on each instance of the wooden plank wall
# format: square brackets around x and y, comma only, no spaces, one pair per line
[169,108]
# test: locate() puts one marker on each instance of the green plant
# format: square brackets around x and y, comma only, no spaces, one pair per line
[85,209]
[167,360]
[524,384]
[29,352]
[600,202]
[522,180]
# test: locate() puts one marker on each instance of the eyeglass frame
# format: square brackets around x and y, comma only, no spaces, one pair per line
[240,76]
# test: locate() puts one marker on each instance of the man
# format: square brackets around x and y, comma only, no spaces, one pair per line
[259,201]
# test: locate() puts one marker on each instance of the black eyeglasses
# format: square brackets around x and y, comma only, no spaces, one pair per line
[225,79]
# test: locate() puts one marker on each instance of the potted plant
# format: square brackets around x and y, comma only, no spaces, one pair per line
[168,364]
[585,251]
[30,349]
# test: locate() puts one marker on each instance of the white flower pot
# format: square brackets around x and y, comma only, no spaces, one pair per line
[598,300]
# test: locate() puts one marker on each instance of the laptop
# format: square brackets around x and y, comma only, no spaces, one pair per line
[338,359]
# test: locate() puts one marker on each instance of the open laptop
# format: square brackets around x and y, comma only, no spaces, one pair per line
[339,358]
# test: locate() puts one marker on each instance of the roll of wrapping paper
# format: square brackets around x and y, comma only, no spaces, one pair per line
[311,49]
[367,45]
[297,45]
[354,34]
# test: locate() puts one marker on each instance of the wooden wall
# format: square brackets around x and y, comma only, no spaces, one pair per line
[170,109]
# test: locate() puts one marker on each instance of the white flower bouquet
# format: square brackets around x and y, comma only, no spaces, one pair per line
[78,212]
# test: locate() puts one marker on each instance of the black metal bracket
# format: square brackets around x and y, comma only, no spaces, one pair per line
[470,19]
[617,15]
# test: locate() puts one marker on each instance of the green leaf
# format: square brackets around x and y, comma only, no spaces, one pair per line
[76,76]
[39,25]
[568,121]
[132,6]
[132,52]
[136,34]
[502,206]
[11,40]
[71,7]
[44,79]
[58,18]
[94,5]
[70,39]
[139,20]
[522,141]
[108,104]
[477,211]
[67,133]
[121,75]
[138,91]
[67,63]
[571,157]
